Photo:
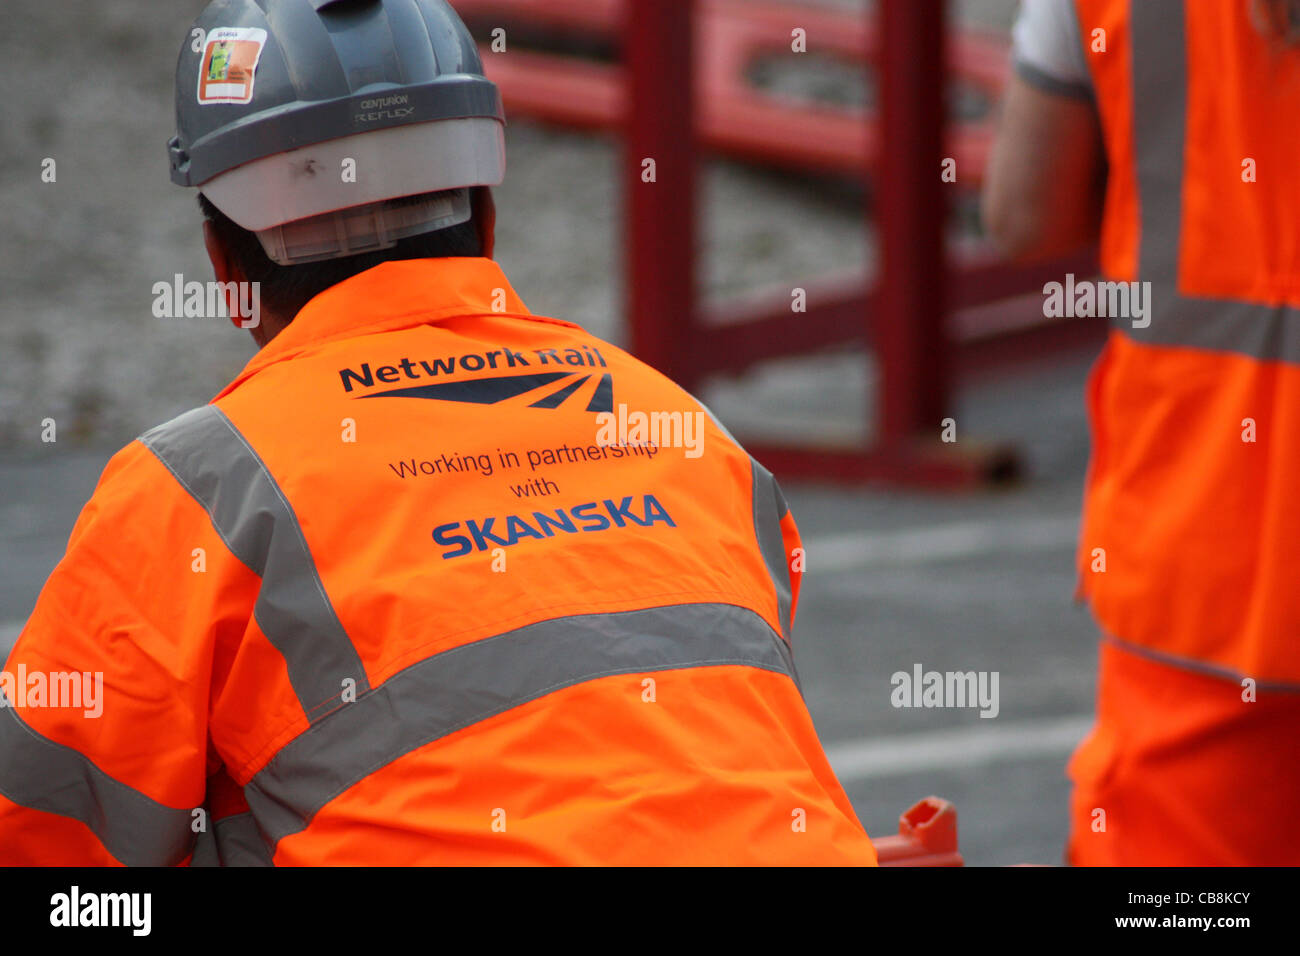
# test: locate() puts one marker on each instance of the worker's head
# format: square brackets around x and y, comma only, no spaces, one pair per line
[328,136]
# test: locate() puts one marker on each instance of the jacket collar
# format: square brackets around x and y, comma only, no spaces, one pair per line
[392,295]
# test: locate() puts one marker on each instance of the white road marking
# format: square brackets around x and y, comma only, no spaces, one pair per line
[854,552]
[965,747]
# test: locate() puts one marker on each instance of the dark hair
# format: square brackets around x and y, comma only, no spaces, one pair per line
[286,289]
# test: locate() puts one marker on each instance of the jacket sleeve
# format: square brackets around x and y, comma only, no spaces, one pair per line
[104,749]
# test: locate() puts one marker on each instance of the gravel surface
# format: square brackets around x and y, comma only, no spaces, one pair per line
[89,84]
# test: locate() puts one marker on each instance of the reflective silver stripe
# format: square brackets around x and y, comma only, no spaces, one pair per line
[463,686]
[771,542]
[1200,667]
[232,841]
[39,773]
[1159,65]
[1260,332]
[767,495]
[769,509]
[214,463]
[718,422]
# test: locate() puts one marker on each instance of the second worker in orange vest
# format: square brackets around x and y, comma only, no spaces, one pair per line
[1176,128]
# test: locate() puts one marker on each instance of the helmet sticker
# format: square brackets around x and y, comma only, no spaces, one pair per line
[229,64]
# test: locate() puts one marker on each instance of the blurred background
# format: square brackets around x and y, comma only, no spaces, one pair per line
[977,577]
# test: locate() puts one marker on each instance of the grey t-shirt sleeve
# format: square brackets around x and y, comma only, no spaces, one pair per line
[1047,49]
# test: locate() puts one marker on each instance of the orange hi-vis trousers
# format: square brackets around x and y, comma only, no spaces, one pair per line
[1182,770]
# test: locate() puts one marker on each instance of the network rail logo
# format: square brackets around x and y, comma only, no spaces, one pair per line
[561,375]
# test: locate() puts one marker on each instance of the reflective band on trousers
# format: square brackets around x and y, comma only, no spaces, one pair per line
[1160,96]
[1201,667]
[44,775]
[463,686]
[217,466]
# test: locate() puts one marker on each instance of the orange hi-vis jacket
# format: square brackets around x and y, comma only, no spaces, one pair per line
[403,595]
[1190,550]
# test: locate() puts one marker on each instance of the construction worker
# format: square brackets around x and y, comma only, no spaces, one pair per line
[1175,129]
[433,580]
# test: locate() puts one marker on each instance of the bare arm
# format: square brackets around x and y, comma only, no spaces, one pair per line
[1045,183]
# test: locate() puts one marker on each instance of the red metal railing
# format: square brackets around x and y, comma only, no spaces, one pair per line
[927,321]
[735,117]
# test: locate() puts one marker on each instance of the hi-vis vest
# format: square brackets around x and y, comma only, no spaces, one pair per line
[403,595]
[1190,548]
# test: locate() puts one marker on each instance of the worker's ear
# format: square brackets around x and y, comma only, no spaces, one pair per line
[224,268]
[485,219]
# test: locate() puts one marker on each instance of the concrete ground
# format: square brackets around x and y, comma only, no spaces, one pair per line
[978,582]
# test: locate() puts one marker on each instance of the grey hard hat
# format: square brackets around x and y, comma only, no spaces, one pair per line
[290,112]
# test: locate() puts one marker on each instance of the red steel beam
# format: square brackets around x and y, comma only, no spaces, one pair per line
[735,336]
[916,464]
[902,319]
[993,320]
[659,145]
[908,328]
